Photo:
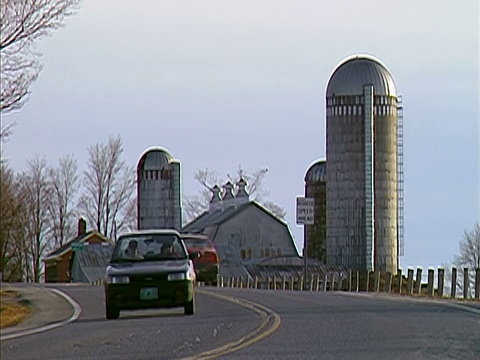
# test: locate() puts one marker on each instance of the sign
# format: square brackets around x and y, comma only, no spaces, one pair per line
[305,211]
[78,246]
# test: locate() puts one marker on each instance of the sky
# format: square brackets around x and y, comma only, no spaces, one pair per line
[222,84]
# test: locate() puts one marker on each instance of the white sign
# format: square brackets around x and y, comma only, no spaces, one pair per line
[305,207]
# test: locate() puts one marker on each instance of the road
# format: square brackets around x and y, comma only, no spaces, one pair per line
[313,326]
[334,325]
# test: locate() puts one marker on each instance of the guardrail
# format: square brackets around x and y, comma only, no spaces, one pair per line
[356,281]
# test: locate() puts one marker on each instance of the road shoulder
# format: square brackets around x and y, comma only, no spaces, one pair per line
[49,306]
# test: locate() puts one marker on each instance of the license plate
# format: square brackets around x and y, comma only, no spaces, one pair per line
[149,293]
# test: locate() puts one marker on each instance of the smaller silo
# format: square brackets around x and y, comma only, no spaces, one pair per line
[316,188]
[159,190]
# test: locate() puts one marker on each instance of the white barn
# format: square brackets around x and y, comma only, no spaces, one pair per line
[243,231]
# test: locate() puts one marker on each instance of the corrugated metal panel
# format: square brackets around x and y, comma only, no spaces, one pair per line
[91,262]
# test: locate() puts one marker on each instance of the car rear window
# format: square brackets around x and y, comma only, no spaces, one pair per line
[199,243]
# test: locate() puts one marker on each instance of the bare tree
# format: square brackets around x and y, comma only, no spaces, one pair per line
[109,184]
[194,205]
[469,256]
[12,226]
[62,188]
[34,184]
[275,209]
[22,23]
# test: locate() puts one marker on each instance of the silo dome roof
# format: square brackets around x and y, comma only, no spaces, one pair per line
[154,159]
[352,73]
[317,172]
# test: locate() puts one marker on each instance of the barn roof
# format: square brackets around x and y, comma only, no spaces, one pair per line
[219,216]
[79,239]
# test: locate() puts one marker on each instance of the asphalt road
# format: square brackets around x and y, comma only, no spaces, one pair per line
[334,325]
[152,334]
[313,326]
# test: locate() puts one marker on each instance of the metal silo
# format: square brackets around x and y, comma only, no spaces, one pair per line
[364,173]
[158,190]
[315,187]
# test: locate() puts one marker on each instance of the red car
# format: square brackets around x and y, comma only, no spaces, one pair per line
[207,265]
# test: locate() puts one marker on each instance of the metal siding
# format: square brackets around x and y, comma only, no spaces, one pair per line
[253,228]
[347,187]
[159,191]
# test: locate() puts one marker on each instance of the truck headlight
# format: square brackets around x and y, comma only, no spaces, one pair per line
[178,276]
[118,280]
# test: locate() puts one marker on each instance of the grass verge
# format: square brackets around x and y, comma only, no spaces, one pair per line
[14,309]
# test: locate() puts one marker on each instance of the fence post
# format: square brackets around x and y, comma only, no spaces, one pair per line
[317,286]
[332,287]
[410,282]
[357,285]
[453,290]
[431,274]
[418,282]
[388,283]
[325,280]
[292,279]
[441,281]
[477,283]
[368,281]
[466,283]
[399,281]
[377,281]
[256,282]
[350,280]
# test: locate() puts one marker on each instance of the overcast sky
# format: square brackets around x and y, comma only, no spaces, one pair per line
[222,84]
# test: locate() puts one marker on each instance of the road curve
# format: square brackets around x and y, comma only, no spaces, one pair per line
[45,325]
[221,325]
[314,325]
[333,325]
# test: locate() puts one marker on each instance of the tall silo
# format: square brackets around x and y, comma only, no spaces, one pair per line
[158,190]
[316,188]
[364,173]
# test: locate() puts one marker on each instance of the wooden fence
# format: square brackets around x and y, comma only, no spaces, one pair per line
[356,281]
